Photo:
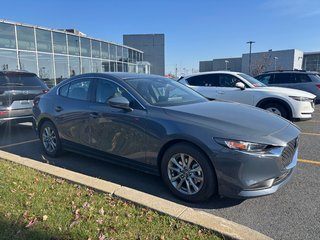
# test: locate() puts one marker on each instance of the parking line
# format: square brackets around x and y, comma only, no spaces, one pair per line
[311,134]
[309,161]
[20,143]
[313,121]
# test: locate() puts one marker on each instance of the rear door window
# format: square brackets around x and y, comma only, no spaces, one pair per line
[226,80]
[266,79]
[302,78]
[78,90]
[282,78]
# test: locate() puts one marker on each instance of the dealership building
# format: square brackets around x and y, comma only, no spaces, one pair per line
[265,61]
[55,55]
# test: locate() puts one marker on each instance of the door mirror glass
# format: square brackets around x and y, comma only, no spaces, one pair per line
[240,85]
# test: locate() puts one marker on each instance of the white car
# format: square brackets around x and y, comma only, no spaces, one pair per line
[240,87]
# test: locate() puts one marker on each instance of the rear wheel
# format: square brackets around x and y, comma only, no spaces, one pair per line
[188,173]
[277,109]
[50,140]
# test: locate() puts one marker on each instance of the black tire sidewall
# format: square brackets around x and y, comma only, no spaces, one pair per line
[210,183]
[58,149]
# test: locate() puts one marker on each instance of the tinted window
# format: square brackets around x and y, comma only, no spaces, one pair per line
[302,78]
[77,90]
[266,79]
[226,80]
[59,42]
[85,47]
[44,43]
[95,49]
[20,79]
[7,36]
[64,90]
[73,45]
[280,78]
[25,38]
[204,80]
[315,77]
[105,50]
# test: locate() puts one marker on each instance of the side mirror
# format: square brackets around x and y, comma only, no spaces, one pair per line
[240,85]
[120,102]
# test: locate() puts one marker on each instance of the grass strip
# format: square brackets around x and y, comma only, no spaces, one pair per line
[34,205]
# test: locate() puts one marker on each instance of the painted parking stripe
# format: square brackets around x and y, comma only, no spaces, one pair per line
[310,134]
[309,161]
[20,143]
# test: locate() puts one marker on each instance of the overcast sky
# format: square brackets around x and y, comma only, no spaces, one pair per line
[194,30]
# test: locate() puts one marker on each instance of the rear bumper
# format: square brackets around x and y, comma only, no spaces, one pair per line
[16,115]
[20,119]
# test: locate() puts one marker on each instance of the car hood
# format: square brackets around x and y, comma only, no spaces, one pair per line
[286,91]
[232,120]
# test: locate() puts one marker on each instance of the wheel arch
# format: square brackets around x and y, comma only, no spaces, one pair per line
[283,103]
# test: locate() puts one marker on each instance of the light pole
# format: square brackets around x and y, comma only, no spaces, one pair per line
[226,61]
[250,43]
[275,63]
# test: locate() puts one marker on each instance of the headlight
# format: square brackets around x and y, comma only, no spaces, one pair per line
[301,99]
[242,145]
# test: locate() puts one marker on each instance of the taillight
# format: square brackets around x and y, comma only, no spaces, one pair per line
[318,85]
[3,112]
[45,91]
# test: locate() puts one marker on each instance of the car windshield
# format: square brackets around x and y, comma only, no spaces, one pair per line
[164,92]
[20,79]
[253,81]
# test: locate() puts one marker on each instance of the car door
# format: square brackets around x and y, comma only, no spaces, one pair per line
[117,131]
[205,84]
[72,111]
[227,90]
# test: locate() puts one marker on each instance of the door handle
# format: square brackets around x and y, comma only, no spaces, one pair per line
[94,115]
[58,109]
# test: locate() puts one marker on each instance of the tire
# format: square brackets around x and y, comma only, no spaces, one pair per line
[50,140]
[176,174]
[277,109]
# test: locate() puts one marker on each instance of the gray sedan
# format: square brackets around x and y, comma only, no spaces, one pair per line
[199,147]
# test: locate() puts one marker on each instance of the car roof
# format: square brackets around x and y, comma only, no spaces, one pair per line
[210,72]
[8,72]
[291,71]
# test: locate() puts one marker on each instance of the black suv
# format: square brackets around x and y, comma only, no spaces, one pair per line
[17,91]
[298,79]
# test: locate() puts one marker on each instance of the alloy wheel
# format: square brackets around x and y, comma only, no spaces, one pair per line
[49,139]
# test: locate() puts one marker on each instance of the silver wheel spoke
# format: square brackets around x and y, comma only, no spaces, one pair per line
[176,177]
[188,186]
[190,159]
[193,184]
[174,161]
[197,169]
[182,160]
[174,169]
[180,184]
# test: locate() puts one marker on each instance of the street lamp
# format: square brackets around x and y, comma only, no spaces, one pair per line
[250,43]
[275,63]
[226,61]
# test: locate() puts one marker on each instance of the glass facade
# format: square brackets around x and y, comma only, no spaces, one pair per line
[56,55]
[311,62]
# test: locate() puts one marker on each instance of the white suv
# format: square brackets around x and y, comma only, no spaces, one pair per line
[239,87]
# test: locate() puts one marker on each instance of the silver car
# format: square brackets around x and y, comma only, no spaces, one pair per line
[154,124]
[298,79]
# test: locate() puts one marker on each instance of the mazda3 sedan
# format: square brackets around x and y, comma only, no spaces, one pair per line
[154,124]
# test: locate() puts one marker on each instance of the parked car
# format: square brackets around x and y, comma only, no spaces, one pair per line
[303,80]
[17,91]
[158,125]
[242,88]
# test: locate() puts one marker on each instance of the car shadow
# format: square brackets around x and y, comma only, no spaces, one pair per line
[100,169]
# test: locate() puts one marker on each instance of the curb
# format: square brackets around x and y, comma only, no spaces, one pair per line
[228,229]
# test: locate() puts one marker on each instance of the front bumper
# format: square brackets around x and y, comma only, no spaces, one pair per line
[303,110]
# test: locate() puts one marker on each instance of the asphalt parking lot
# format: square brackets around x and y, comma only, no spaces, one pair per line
[291,213]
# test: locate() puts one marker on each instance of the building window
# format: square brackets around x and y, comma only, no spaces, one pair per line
[61,66]
[131,68]
[74,64]
[96,65]
[7,36]
[8,60]
[105,66]
[119,53]
[25,38]
[86,65]
[113,52]
[95,49]
[125,54]
[113,67]
[85,47]
[46,68]
[105,50]
[44,43]
[73,45]
[59,43]
[119,67]
[28,61]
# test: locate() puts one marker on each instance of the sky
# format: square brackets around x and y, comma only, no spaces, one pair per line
[194,30]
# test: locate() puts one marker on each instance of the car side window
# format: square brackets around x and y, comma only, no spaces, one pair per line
[78,90]
[206,80]
[281,78]
[226,80]
[105,90]
[266,79]
[302,78]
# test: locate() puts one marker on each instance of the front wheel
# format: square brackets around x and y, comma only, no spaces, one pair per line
[277,109]
[188,173]
[50,140]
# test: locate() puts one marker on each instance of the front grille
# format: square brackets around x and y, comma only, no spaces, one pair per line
[288,152]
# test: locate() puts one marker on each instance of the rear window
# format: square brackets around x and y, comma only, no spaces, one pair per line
[315,77]
[21,79]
